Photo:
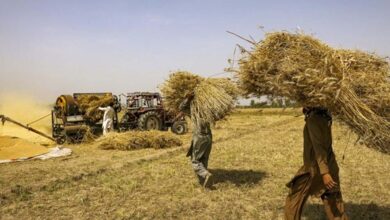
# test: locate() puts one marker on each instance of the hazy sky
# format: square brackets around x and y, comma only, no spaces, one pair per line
[48,48]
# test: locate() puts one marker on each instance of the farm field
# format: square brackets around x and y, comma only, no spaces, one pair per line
[255,153]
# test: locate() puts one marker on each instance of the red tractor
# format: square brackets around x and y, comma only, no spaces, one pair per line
[145,111]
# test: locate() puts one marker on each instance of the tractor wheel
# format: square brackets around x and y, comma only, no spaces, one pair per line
[149,121]
[179,127]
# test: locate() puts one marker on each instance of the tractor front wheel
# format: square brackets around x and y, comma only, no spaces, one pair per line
[179,127]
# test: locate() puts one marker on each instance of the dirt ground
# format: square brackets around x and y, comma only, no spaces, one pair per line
[255,153]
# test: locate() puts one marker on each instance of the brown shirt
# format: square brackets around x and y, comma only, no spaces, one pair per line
[318,156]
[318,151]
[318,159]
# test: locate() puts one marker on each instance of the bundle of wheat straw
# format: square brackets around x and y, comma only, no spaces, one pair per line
[177,86]
[211,102]
[228,85]
[213,97]
[89,104]
[369,79]
[137,140]
[354,85]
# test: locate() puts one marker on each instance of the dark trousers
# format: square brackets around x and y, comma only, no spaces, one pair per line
[200,152]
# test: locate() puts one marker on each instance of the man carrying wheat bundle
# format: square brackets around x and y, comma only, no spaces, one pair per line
[353,84]
[200,145]
[320,173]
[205,101]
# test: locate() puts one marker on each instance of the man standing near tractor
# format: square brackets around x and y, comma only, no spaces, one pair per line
[320,173]
[200,145]
[108,118]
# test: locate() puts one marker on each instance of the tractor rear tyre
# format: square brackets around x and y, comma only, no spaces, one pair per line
[149,121]
[179,127]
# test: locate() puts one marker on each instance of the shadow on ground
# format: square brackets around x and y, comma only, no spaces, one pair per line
[238,177]
[354,211]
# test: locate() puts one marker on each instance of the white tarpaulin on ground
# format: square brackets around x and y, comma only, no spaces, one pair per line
[53,153]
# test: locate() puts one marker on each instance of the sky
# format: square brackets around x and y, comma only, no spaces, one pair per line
[54,47]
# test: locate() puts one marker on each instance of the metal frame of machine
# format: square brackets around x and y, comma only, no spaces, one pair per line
[70,124]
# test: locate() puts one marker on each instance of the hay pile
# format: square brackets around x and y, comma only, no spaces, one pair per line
[354,85]
[89,105]
[213,98]
[137,140]
[89,136]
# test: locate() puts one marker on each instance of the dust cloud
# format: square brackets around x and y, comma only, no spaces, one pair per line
[25,109]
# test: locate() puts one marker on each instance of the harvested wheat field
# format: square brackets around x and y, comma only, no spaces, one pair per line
[255,152]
